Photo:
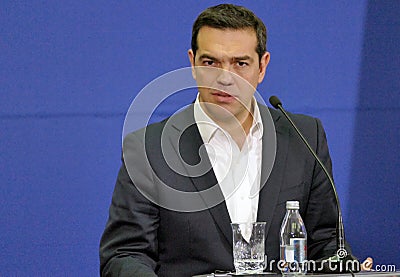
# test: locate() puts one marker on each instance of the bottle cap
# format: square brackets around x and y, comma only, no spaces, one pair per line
[292,205]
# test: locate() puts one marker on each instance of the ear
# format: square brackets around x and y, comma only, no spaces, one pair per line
[191,59]
[264,61]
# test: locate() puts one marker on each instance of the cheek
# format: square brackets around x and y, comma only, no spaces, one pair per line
[248,82]
[205,94]
[205,77]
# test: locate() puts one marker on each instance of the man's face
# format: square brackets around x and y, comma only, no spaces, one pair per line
[227,70]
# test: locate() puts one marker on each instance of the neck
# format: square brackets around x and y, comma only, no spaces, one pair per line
[239,126]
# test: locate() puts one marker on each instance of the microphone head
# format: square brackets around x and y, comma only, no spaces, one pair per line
[275,102]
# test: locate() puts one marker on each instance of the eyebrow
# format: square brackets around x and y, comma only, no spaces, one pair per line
[243,58]
[239,58]
[206,56]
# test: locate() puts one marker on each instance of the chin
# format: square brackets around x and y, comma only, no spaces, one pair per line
[222,113]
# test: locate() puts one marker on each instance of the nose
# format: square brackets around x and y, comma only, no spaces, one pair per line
[225,77]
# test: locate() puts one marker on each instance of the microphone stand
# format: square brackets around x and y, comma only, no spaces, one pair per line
[340,261]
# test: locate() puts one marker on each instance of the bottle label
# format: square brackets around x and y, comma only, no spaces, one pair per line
[299,249]
[289,253]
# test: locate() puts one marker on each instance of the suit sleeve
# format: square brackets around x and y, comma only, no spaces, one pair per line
[129,246]
[321,214]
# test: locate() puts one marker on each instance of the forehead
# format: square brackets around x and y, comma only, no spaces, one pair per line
[227,40]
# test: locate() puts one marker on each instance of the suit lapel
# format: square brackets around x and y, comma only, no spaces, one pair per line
[271,179]
[198,168]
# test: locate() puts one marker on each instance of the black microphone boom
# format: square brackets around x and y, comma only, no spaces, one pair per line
[333,264]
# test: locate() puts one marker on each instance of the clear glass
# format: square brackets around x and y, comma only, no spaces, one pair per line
[293,243]
[249,247]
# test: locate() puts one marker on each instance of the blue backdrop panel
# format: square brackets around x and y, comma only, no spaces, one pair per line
[70,69]
[375,191]
[56,181]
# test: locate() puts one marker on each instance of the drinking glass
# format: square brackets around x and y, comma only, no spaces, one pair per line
[249,247]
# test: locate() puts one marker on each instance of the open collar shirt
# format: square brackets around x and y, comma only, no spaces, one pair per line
[238,171]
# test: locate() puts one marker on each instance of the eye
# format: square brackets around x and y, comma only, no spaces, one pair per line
[242,64]
[208,62]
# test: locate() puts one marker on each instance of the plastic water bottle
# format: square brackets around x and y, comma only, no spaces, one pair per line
[293,241]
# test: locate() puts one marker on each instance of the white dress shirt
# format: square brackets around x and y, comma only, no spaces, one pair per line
[237,170]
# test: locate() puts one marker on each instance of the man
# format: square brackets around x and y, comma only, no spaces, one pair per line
[217,153]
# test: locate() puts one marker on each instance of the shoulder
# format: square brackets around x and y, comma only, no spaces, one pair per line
[303,122]
[310,127]
[176,122]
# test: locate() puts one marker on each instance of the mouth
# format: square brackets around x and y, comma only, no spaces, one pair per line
[223,97]
[222,94]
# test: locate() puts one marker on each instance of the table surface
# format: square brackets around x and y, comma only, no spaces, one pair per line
[360,274]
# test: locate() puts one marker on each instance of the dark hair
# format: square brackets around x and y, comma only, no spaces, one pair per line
[228,16]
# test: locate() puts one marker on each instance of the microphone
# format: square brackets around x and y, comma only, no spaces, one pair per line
[339,263]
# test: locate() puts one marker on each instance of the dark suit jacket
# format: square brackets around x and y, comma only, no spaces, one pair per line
[142,237]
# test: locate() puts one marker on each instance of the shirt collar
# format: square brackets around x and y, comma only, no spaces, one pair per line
[257,128]
[208,127]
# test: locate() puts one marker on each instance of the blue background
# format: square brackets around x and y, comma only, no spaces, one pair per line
[70,69]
